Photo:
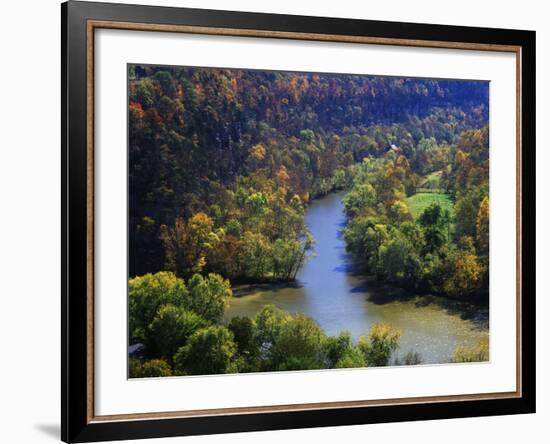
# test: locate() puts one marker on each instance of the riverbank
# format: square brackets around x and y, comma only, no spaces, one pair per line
[329,290]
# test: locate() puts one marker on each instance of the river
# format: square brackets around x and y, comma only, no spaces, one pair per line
[330,291]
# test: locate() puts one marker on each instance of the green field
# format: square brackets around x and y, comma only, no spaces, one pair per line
[420,201]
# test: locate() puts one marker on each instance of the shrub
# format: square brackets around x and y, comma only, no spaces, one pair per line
[381,342]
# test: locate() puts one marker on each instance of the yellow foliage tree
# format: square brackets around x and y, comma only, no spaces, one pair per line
[466,275]
[187,243]
[482,226]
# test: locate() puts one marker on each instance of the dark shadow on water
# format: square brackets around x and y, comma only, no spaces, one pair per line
[348,265]
[51,430]
[363,288]
[246,290]
[342,223]
[344,268]
[380,294]
[478,315]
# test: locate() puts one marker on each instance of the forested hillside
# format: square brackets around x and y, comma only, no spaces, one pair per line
[432,238]
[223,162]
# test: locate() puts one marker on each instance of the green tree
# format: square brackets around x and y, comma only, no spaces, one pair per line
[364,236]
[145,240]
[434,239]
[359,199]
[431,216]
[255,255]
[399,211]
[146,92]
[166,82]
[208,351]
[381,342]
[170,329]
[289,255]
[399,260]
[353,357]
[466,208]
[146,294]
[208,296]
[269,323]
[337,346]
[436,223]
[289,342]
[246,340]
[341,353]
[299,345]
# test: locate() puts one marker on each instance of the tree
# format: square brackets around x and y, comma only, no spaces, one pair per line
[364,236]
[289,342]
[431,216]
[208,296]
[186,244]
[361,198]
[465,274]
[269,323]
[256,204]
[208,351]
[145,241]
[146,294]
[399,211]
[336,347]
[482,227]
[381,342]
[399,260]
[299,345]
[166,82]
[467,207]
[246,340]
[352,357]
[289,255]
[427,145]
[434,239]
[155,368]
[255,255]
[256,153]
[425,152]
[170,329]
[225,257]
[272,132]
[341,353]
[145,93]
[436,224]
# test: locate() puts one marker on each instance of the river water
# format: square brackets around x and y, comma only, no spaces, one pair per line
[330,291]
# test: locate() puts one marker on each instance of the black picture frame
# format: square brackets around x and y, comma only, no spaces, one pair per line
[76,425]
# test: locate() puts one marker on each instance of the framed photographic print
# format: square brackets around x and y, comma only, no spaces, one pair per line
[277,221]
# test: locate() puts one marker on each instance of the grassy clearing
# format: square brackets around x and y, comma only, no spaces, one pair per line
[420,201]
[432,181]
